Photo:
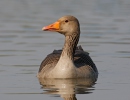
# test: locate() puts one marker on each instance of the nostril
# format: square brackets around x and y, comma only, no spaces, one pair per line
[51,25]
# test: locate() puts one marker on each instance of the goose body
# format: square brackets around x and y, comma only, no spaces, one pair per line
[71,61]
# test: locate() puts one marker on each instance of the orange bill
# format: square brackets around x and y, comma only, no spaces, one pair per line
[51,27]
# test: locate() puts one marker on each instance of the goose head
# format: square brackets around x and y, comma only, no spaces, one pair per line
[66,25]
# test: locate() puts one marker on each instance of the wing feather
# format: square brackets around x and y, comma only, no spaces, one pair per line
[82,61]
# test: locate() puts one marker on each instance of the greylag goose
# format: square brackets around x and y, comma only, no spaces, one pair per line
[71,61]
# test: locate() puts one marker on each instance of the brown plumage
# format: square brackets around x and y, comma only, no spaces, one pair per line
[72,61]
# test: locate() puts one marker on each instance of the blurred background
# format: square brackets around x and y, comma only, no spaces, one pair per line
[105,34]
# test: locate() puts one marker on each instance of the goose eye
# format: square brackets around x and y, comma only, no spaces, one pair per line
[66,21]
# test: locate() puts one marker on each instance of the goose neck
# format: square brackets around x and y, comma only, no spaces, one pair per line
[70,44]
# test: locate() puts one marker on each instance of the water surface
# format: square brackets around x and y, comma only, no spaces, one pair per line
[105,34]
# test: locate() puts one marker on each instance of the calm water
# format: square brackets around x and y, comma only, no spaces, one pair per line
[105,27]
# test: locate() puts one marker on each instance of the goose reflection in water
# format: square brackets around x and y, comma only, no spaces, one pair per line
[67,88]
